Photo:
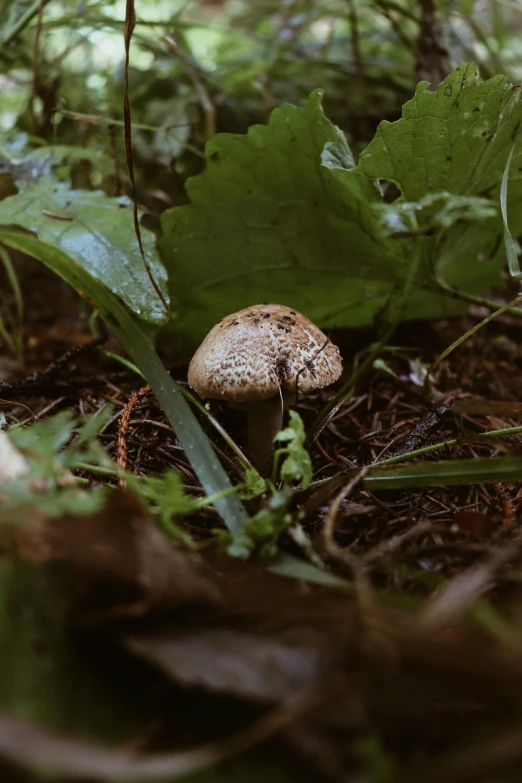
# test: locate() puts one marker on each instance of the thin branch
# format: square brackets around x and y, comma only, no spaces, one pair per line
[130,23]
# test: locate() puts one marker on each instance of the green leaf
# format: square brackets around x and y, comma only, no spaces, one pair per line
[297,465]
[188,431]
[276,216]
[261,532]
[47,486]
[98,232]
[435,210]
[45,438]
[27,165]
[444,473]
[281,214]
[44,442]
[382,366]
[255,484]
[168,497]
[456,139]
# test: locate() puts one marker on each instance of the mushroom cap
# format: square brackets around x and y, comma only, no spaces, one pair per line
[253,354]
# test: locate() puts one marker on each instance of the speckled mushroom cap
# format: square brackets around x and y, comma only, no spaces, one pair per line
[252,354]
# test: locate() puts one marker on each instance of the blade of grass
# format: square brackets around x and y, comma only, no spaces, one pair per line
[511,251]
[445,473]
[448,443]
[192,438]
[14,339]
[463,337]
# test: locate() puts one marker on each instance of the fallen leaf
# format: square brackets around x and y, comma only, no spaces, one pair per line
[476,523]
[255,666]
[121,563]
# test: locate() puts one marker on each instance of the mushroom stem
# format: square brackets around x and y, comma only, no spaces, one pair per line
[264,420]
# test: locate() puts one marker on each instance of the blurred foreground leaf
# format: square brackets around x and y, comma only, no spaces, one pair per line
[44,676]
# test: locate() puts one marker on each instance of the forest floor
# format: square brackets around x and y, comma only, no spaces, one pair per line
[416,660]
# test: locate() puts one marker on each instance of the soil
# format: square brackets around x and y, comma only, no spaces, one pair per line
[389,414]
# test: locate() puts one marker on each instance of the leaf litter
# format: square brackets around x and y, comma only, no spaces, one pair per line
[414,656]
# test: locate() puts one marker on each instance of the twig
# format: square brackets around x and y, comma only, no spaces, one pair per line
[130,23]
[328,532]
[123,428]
[33,748]
[377,637]
[424,428]
[391,545]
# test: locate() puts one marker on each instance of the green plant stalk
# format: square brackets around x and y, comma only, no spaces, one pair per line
[101,470]
[340,478]
[453,442]
[123,361]
[13,282]
[454,293]
[4,334]
[467,334]
[15,340]
[275,464]
[192,438]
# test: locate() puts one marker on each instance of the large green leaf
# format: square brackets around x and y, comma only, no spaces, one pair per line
[458,140]
[98,232]
[455,139]
[282,215]
[269,221]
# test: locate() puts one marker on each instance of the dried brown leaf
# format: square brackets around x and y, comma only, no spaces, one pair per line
[121,564]
[258,667]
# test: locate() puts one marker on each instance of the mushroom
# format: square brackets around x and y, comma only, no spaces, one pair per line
[259,359]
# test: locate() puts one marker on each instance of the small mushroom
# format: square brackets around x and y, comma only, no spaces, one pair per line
[259,359]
